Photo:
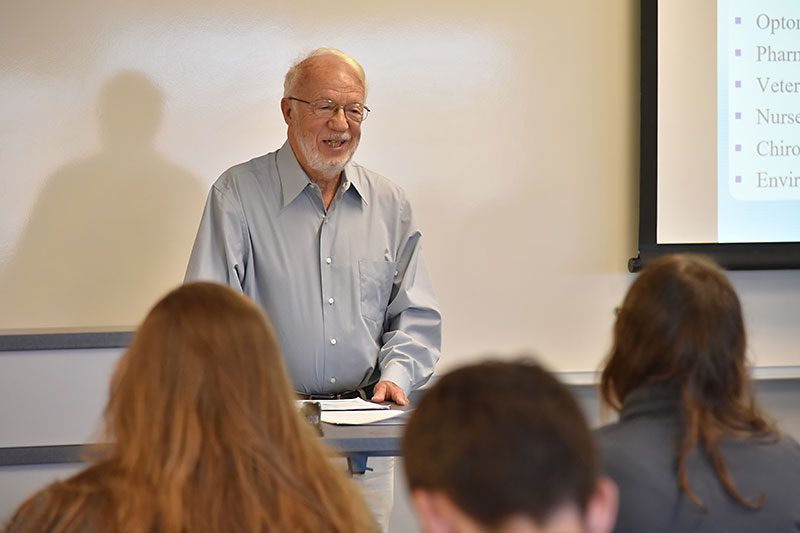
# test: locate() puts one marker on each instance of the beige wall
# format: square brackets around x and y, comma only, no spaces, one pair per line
[513,126]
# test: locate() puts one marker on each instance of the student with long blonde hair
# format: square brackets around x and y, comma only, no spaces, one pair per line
[206,436]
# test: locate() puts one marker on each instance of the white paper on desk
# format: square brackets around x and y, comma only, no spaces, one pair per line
[353,404]
[357,418]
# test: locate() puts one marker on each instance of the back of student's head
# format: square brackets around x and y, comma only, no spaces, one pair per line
[203,373]
[681,324]
[503,441]
[206,435]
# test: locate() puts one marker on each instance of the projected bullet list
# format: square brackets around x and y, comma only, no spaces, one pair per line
[762,57]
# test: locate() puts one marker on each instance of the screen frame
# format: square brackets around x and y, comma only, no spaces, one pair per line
[732,256]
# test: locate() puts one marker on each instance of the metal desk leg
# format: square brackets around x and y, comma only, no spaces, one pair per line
[357,464]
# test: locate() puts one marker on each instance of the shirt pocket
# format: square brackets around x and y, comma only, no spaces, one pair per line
[376,285]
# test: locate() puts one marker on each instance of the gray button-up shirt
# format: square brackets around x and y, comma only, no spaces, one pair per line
[347,288]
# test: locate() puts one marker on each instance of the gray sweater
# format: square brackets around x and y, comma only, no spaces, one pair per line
[640,452]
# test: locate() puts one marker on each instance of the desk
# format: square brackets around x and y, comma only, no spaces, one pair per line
[356,443]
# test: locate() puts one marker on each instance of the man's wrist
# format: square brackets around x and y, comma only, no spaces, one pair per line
[398,377]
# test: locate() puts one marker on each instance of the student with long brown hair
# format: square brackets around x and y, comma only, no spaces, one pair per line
[692,450]
[206,436]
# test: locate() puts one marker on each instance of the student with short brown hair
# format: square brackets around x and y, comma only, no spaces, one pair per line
[504,447]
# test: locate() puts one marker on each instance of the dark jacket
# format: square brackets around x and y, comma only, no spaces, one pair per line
[640,452]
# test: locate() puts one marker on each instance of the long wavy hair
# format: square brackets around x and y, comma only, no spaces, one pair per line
[681,323]
[206,436]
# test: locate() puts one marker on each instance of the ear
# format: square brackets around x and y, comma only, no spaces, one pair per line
[432,513]
[601,512]
[286,109]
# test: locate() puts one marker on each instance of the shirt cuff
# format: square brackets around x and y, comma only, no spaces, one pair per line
[397,375]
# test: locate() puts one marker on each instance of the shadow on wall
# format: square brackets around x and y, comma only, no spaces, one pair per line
[111,233]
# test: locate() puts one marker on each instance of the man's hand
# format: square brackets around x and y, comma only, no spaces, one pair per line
[386,390]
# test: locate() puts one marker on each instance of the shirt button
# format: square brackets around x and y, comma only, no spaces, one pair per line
[333,380]
[333,341]
[331,300]
[328,260]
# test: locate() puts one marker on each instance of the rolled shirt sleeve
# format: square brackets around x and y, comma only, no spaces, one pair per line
[413,333]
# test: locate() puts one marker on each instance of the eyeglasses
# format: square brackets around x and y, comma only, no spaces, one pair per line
[324,108]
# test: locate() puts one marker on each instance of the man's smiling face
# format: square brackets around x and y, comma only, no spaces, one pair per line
[323,145]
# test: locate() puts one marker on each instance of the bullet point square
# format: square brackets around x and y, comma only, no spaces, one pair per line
[738,52]
[738,179]
[738,147]
[738,84]
[738,20]
[738,115]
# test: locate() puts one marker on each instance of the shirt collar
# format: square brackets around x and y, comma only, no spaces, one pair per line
[294,179]
[351,179]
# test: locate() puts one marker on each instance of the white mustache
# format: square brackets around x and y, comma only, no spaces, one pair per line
[343,137]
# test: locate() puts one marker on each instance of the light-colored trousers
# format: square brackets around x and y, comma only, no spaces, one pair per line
[377,487]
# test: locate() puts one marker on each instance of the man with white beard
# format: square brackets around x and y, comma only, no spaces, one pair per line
[330,250]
